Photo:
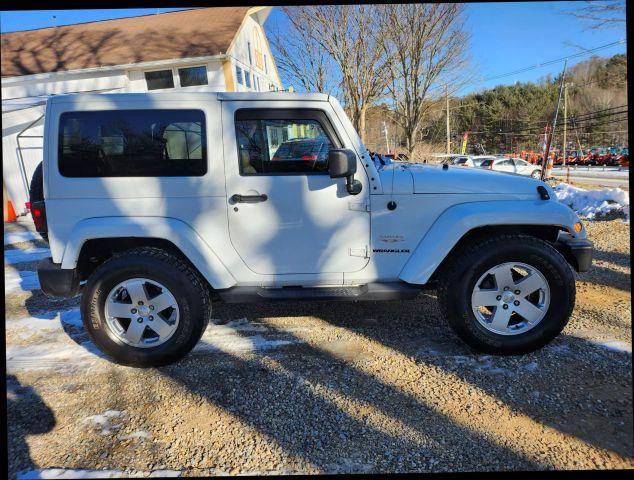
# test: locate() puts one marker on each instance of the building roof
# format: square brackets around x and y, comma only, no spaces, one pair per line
[182,34]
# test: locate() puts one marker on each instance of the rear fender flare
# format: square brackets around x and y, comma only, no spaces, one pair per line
[176,231]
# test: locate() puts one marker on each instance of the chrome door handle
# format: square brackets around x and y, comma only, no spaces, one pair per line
[237,198]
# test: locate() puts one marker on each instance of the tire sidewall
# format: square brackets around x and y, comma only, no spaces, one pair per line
[177,282]
[559,279]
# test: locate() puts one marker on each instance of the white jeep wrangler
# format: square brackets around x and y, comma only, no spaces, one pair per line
[154,202]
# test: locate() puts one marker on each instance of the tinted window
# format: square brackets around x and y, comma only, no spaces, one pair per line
[193,76]
[486,163]
[160,79]
[132,143]
[247,78]
[270,146]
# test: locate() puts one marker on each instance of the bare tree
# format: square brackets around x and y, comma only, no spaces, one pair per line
[426,44]
[351,37]
[301,58]
[600,14]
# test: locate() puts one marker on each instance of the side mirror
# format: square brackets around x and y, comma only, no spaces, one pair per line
[343,163]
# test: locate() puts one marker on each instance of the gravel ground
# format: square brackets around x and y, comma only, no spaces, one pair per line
[321,387]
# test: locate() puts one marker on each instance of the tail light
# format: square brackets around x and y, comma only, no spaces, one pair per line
[309,157]
[27,205]
[38,210]
[491,166]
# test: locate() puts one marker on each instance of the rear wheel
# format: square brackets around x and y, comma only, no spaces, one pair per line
[510,294]
[145,307]
[36,192]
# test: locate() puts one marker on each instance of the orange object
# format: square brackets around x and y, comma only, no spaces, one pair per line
[10,216]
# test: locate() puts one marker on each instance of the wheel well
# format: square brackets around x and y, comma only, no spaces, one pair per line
[548,233]
[97,250]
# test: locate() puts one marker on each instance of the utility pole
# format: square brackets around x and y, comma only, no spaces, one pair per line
[387,143]
[448,130]
[546,165]
[565,121]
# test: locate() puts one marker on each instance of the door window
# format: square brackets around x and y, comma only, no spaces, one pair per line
[278,146]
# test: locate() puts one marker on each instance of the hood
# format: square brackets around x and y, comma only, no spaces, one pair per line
[433,179]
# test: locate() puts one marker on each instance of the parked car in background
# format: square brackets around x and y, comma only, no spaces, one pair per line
[512,165]
[400,157]
[467,160]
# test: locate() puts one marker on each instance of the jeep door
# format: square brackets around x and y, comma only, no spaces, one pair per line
[286,215]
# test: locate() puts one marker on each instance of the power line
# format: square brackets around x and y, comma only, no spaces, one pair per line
[538,65]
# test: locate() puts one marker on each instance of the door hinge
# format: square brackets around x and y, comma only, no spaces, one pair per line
[359,207]
[363,252]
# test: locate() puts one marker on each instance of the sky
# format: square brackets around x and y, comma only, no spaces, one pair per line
[504,36]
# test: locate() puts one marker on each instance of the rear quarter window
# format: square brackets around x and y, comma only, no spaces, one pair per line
[132,143]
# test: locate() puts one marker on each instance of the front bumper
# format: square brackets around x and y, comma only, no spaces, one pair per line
[56,281]
[577,251]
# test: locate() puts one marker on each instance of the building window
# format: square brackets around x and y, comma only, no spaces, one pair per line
[159,79]
[190,76]
[239,75]
[271,87]
[249,49]
[256,82]
[132,143]
[247,78]
[266,65]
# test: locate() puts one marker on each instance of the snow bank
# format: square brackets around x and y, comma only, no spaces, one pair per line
[594,203]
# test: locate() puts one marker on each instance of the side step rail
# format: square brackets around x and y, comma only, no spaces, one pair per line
[371,291]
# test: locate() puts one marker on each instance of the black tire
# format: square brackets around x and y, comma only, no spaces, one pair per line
[471,262]
[187,286]
[36,192]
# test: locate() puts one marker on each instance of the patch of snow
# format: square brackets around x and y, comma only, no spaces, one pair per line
[104,421]
[62,473]
[136,434]
[12,257]
[481,363]
[11,238]
[616,346]
[237,344]
[16,280]
[228,339]
[243,325]
[593,203]
[56,355]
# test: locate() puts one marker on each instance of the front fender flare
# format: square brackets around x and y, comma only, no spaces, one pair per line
[459,219]
[176,231]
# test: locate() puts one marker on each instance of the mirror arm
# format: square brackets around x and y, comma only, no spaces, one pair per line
[353,186]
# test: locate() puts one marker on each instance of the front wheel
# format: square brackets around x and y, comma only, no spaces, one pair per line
[510,294]
[536,174]
[145,307]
